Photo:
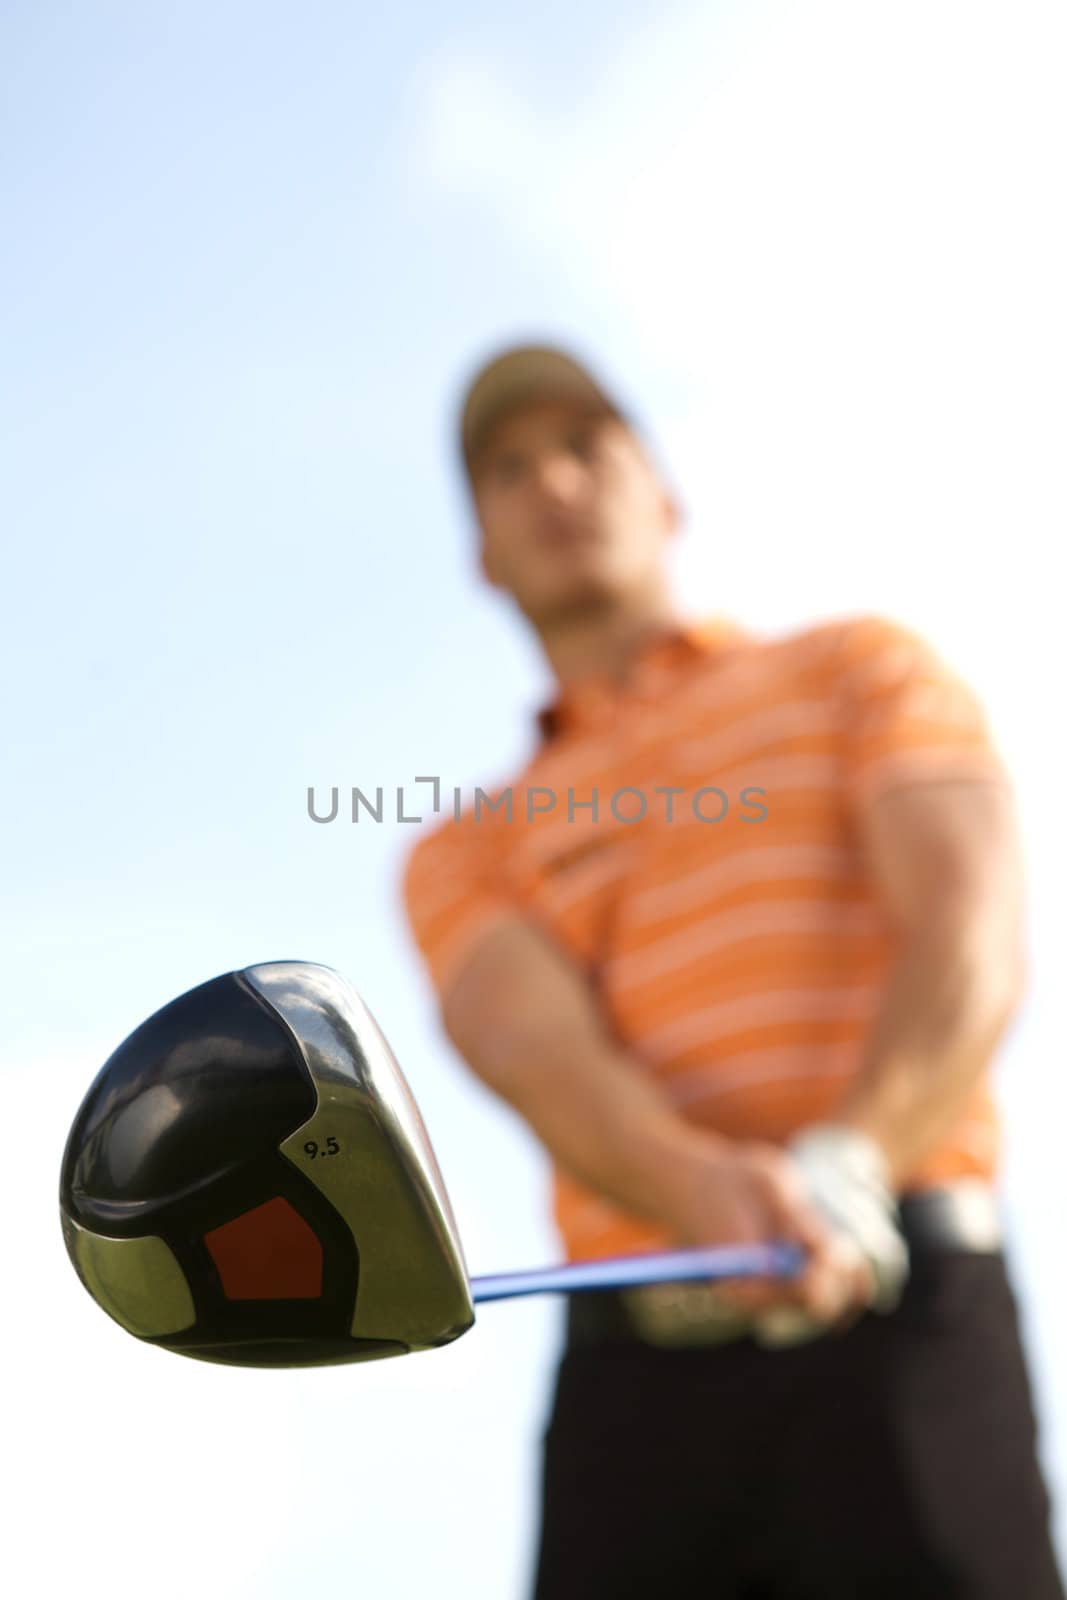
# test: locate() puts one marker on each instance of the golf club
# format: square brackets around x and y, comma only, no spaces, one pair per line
[248,1180]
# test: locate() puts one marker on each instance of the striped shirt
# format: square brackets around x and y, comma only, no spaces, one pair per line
[690,839]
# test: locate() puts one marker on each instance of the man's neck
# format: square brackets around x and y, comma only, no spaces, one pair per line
[604,646]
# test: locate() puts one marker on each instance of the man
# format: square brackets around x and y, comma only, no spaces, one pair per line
[740,943]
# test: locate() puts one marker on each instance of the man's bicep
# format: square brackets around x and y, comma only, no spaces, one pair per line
[514,1002]
[944,850]
[518,995]
[453,890]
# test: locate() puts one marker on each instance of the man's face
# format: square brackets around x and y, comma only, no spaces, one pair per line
[571,509]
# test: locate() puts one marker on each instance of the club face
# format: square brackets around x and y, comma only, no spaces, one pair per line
[383,1177]
[249,1181]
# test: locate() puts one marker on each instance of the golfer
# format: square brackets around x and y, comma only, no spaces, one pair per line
[740,943]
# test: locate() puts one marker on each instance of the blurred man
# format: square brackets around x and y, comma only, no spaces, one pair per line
[740,943]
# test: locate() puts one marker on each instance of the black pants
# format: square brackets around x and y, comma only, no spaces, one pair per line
[894,1460]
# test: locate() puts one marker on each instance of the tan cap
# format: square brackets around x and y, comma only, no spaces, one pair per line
[517,376]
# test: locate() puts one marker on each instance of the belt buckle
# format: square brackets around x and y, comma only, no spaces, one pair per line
[682,1315]
[963,1214]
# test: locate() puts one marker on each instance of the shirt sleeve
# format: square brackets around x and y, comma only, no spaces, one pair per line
[454,890]
[907,715]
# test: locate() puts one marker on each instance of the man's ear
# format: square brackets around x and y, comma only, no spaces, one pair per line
[674,512]
[672,508]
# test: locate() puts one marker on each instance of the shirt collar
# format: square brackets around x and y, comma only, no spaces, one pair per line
[685,640]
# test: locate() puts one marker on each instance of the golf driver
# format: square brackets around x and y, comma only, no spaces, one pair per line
[248,1181]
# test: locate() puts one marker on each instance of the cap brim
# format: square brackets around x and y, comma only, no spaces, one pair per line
[516,378]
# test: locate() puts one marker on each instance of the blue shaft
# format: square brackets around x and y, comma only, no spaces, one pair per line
[619,1272]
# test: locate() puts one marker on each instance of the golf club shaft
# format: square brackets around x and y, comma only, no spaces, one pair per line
[618,1272]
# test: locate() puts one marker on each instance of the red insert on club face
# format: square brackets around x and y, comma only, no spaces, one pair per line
[268,1253]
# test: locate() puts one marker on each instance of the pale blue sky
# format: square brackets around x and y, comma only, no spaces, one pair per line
[252,250]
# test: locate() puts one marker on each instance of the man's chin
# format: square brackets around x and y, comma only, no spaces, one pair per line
[590,599]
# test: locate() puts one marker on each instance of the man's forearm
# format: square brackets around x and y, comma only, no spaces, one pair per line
[604,1119]
[951,995]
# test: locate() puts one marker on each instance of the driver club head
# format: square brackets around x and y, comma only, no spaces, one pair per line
[248,1181]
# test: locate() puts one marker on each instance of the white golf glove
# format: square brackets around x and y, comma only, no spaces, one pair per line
[848,1183]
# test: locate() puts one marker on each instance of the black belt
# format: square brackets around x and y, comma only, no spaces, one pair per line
[964,1215]
[957,1216]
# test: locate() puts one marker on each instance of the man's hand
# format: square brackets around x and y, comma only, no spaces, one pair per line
[726,1192]
[847,1180]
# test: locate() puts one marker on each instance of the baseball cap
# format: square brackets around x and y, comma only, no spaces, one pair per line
[517,376]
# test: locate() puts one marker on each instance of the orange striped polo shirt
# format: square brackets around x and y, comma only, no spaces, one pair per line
[690,839]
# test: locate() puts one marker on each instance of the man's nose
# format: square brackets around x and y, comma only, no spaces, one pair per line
[558,476]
